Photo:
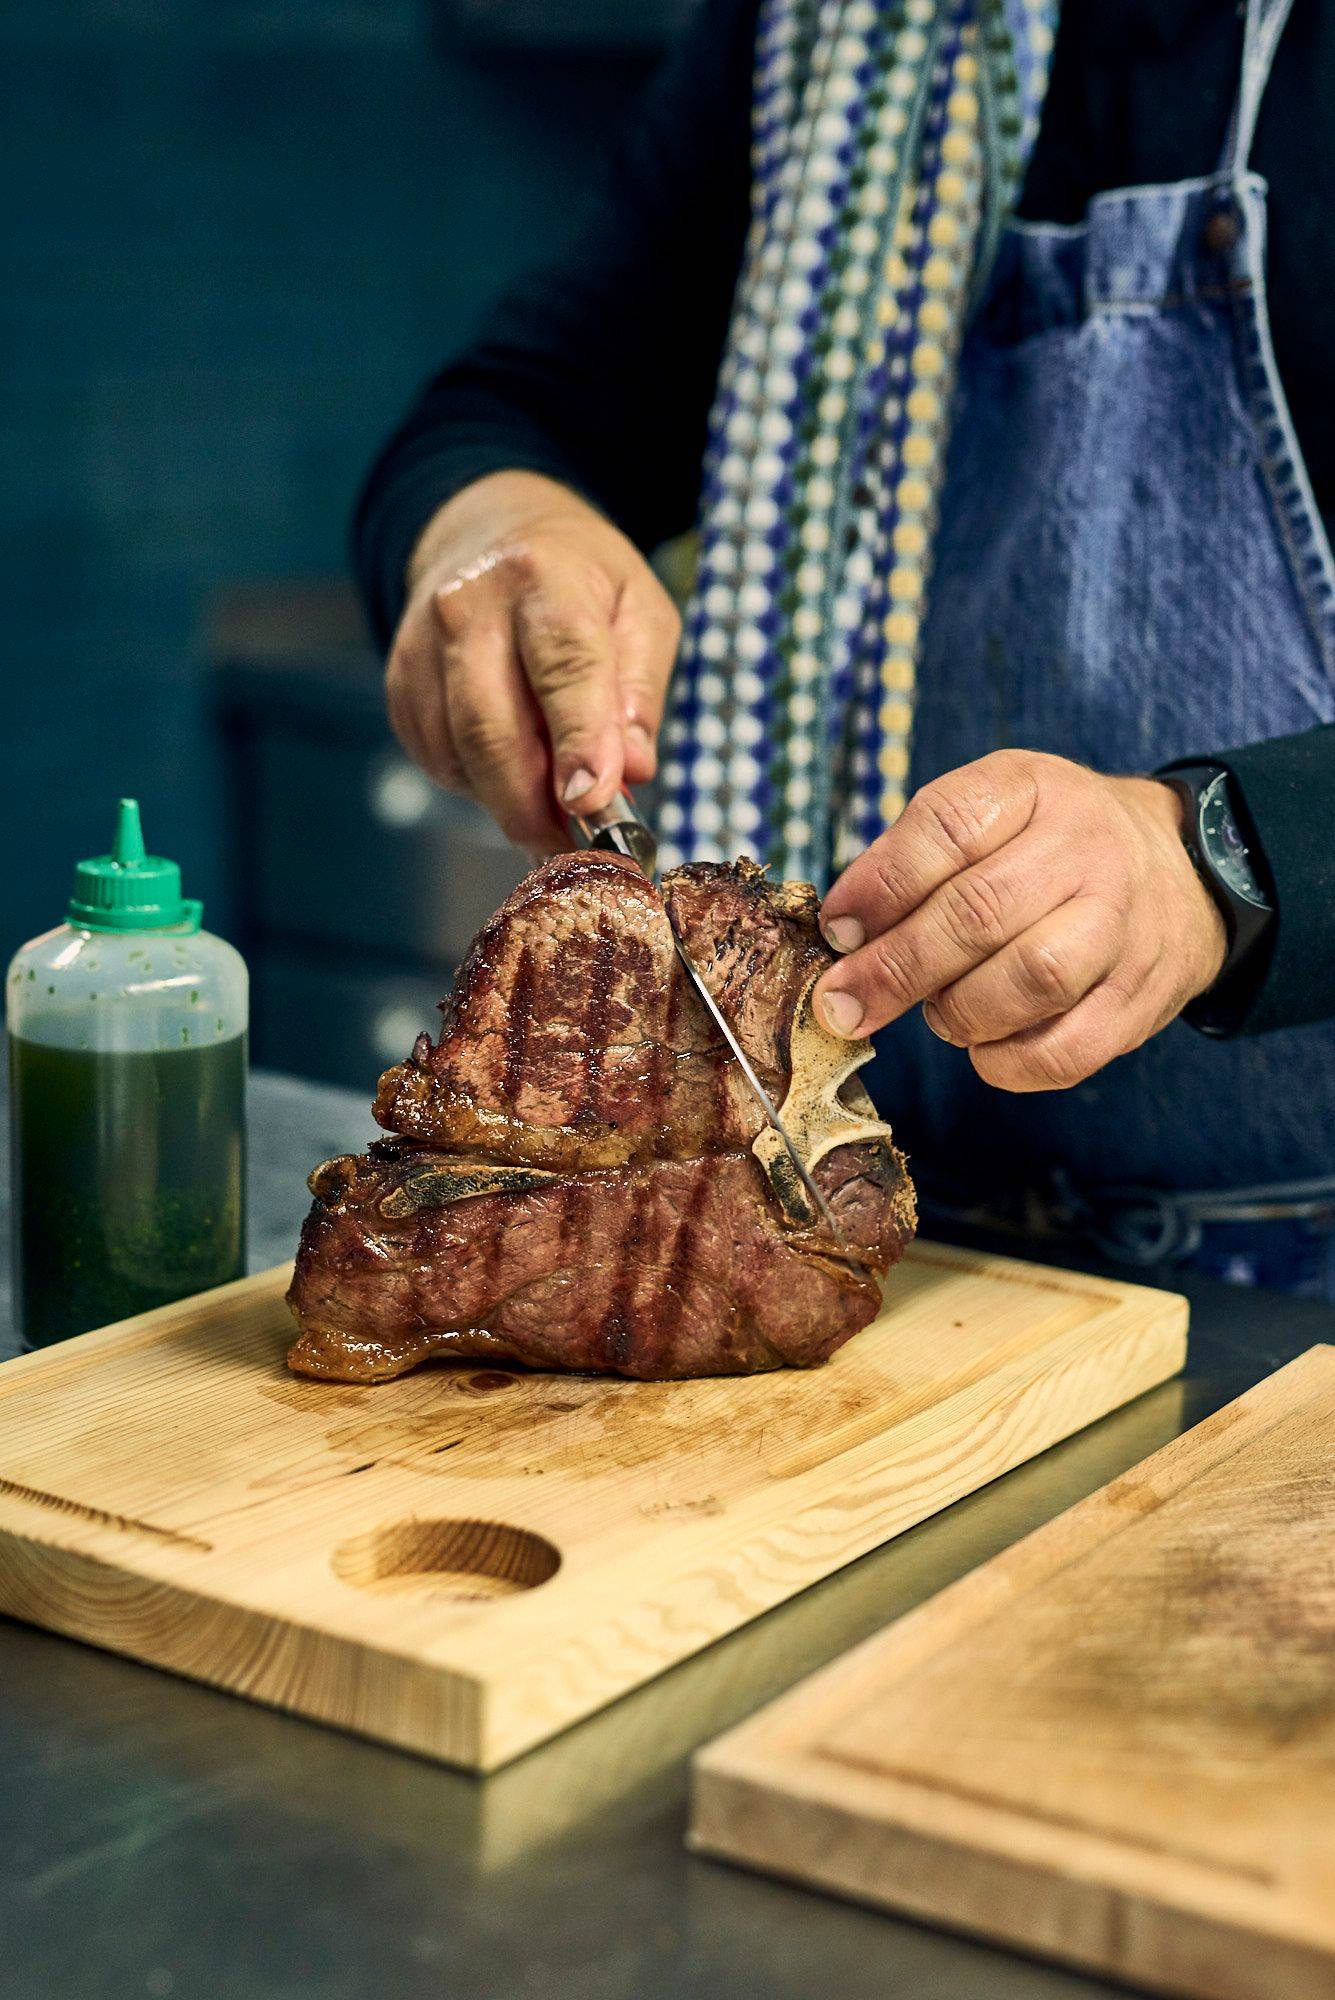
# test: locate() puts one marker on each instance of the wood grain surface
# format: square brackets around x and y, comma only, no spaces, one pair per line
[1114,1743]
[467,1560]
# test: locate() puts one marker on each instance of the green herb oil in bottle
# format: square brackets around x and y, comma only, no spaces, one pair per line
[127,1077]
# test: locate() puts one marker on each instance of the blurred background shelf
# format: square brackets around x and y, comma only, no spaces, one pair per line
[357,884]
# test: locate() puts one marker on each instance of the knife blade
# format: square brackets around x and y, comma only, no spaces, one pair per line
[618,829]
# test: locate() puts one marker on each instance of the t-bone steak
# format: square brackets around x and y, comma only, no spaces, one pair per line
[570,1182]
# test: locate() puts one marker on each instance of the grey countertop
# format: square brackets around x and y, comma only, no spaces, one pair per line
[161,1839]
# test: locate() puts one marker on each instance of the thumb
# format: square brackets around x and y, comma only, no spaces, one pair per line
[566,647]
[647,631]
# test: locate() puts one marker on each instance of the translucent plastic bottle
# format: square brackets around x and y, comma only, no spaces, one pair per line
[127,1074]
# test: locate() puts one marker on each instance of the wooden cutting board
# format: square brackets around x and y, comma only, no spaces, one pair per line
[1114,1744]
[465,1561]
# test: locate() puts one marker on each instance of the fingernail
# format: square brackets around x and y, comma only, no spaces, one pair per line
[576,785]
[843,1014]
[932,1018]
[637,734]
[843,933]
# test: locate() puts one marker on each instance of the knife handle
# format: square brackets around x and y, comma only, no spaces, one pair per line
[618,829]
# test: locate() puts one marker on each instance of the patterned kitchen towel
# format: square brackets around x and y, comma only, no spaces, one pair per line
[889,138]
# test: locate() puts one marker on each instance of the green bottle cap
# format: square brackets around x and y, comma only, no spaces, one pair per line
[128,890]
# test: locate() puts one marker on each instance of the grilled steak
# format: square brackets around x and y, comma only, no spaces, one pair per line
[571,1183]
[674,1267]
[572,1038]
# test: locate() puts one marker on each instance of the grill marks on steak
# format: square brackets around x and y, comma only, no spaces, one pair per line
[671,1268]
[572,1038]
[570,1182]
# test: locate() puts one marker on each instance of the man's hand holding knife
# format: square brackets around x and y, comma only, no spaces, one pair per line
[530,666]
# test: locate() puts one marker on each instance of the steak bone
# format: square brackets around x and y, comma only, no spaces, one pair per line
[824,1106]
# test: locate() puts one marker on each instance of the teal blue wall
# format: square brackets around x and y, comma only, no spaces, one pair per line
[236,234]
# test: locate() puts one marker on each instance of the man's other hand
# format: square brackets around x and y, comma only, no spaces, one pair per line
[1048,919]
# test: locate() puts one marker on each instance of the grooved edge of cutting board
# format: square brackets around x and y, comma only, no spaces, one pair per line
[465,1572]
[885,1778]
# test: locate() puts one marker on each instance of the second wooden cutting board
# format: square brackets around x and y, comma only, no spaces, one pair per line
[465,1561]
[1113,1744]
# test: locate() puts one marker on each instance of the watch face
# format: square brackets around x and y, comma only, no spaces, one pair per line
[1225,847]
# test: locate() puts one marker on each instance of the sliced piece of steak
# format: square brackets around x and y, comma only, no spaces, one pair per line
[572,1038]
[756,943]
[669,1268]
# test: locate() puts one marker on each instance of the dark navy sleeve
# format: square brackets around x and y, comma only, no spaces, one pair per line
[1287,791]
[599,368]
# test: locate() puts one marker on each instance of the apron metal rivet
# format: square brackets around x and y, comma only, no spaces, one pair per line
[1222,231]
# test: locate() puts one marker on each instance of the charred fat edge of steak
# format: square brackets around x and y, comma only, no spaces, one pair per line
[433,1184]
[327,1354]
[438,1184]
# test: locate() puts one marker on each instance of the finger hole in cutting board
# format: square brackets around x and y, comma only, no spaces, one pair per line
[460,1559]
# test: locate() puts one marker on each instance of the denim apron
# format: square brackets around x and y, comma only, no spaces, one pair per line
[1130,567]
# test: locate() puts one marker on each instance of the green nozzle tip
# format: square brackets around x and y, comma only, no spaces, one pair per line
[128,846]
[129,889]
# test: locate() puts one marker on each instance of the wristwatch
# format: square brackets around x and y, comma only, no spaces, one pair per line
[1233,870]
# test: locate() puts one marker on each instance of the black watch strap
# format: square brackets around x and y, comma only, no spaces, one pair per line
[1228,858]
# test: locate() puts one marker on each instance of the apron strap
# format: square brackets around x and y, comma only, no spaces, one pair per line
[1264,26]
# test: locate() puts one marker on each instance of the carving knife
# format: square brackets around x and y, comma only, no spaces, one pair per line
[618,829]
